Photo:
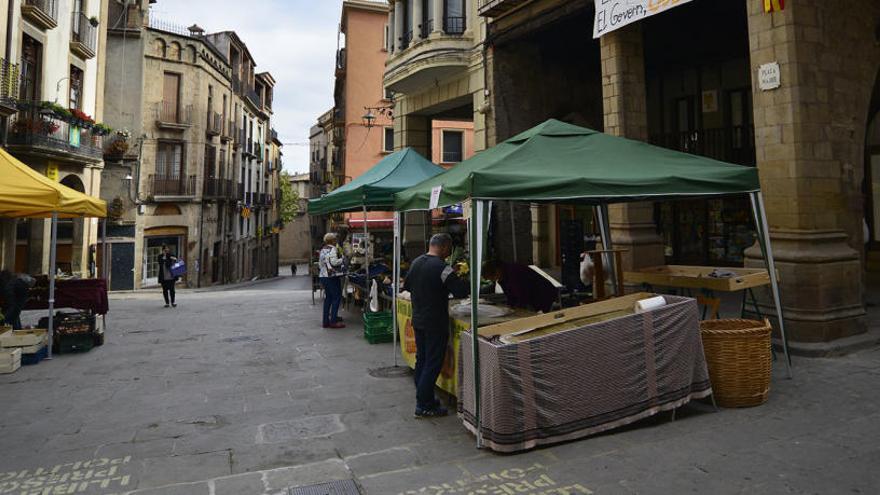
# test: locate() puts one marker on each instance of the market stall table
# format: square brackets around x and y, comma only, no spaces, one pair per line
[448,379]
[708,280]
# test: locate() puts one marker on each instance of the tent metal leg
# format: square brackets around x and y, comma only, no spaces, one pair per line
[367,285]
[605,231]
[395,273]
[475,228]
[764,241]
[105,264]
[513,230]
[53,243]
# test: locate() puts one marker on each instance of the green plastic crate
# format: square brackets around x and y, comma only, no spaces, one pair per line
[378,327]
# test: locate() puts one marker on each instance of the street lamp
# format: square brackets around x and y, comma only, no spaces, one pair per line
[369,118]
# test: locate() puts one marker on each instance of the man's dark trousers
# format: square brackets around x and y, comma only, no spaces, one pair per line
[431,346]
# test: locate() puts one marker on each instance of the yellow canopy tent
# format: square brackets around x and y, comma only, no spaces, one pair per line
[25,193]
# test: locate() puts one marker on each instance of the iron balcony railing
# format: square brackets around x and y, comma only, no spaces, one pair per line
[240,191]
[172,185]
[46,8]
[340,60]
[82,31]
[254,97]
[427,27]
[171,113]
[406,39]
[218,188]
[31,129]
[215,123]
[454,25]
[9,83]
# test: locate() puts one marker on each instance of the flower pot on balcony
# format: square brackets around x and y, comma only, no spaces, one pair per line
[94,21]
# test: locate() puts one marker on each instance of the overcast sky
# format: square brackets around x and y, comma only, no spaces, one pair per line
[295,40]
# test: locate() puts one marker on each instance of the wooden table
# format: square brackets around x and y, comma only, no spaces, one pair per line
[698,278]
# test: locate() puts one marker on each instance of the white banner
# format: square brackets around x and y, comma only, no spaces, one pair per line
[614,14]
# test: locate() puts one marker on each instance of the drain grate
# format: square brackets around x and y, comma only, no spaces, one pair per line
[391,372]
[341,487]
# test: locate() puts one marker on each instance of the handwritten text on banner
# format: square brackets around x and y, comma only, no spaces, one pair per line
[614,14]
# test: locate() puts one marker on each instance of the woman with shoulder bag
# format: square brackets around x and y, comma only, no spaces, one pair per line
[331,268]
[166,278]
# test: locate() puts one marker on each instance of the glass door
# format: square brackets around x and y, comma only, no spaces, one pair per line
[152,251]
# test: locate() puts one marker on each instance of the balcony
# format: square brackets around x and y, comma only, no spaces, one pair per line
[34,134]
[9,79]
[172,187]
[240,191]
[228,132]
[431,56]
[173,117]
[254,98]
[83,36]
[214,124]
[340,62]
[216,188]
[41,13]
[497,8]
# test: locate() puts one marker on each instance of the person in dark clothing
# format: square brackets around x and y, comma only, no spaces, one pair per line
[15,295]
[430,281]
[165,278]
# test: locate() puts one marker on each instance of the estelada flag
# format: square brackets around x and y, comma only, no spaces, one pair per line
[774,5]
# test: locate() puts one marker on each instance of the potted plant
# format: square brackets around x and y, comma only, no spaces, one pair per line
[118,147]
[101,130]
[94,21]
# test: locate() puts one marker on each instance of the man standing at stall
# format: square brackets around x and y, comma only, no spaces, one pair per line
[14,289]
[430,281]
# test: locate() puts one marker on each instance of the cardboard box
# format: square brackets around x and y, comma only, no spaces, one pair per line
[24,338]
[10,360]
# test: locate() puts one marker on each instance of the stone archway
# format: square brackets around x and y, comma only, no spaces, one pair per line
[72,247]
[871,186]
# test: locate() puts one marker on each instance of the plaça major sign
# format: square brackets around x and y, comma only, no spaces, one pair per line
[614,14]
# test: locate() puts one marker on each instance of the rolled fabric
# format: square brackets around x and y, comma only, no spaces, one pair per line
[374,297]
[649,304]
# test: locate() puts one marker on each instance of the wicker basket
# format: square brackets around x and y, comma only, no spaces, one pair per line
[739,359]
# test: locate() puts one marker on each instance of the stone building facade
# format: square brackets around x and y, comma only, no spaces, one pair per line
[53,53]
[813,138]
[192,166]
[295,240]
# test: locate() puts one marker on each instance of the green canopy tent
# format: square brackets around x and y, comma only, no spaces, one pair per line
[563,163]
[373,191]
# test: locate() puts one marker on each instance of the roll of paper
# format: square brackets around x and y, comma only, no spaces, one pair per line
[649,304]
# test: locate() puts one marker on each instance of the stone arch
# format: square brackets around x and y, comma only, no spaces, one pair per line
[174,51]
[159,47]
[193,54]
[167,210]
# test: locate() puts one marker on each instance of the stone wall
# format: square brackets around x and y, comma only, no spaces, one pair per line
[810,137]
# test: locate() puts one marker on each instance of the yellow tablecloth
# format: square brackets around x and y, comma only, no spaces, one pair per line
[448,379]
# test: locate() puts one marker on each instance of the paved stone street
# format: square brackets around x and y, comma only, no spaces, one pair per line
[241,392]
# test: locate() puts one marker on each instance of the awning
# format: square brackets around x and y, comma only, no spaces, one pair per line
[561,162]
[25,193]
[374,189]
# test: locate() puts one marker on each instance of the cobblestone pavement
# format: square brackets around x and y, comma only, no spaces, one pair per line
[241,392]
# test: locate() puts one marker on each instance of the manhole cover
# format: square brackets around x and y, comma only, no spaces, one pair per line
[243,338]
[391,372]
[342,487]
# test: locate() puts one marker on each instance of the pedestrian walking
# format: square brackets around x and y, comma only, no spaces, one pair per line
[430,281]
[166,278]
[331,263]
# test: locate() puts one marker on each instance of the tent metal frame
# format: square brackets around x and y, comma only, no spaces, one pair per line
[477,225]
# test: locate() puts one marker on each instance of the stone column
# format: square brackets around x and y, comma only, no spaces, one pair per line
[809,140]
[413,131]
[470,14]
[7,243]
[398,25]
[417,20]
[625,108]
[437,8]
